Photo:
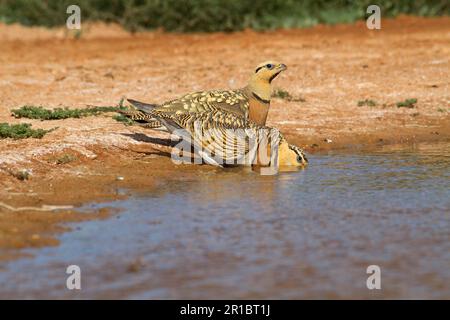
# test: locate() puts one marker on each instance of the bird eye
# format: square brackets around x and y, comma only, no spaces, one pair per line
[269,66]
[299,159]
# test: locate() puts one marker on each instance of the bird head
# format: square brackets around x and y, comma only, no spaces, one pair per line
[261,79]
[290,155]
[267,71]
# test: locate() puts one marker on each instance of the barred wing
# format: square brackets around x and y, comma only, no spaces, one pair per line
[223,139]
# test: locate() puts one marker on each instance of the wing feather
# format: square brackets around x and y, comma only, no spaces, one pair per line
[230,101]
[223,138]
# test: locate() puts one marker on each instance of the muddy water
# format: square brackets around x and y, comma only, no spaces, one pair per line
[236,234]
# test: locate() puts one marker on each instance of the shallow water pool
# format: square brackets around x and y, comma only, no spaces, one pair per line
[236,234]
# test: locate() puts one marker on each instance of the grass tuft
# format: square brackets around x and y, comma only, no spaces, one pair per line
[21,131]
[285,95]
[408,103]
[123,119]
[34,112]
[367,102]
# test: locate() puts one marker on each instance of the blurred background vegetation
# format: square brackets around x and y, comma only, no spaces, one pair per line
[212,15]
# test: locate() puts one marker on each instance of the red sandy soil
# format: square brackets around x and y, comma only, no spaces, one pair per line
[330,68]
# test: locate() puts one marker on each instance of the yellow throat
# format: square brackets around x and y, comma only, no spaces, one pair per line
[259,89]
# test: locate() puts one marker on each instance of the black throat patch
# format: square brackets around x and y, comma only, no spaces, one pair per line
[260,99]
[274,76]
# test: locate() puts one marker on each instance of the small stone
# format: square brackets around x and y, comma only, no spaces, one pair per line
[60,77]
[120,178]
[135,266]
[109,75]
[328,140]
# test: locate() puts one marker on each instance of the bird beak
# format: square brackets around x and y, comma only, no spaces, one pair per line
[282,66]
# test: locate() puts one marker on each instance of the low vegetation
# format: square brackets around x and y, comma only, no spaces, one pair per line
[283,94]
[408,103]
[211,15]
[34,112]
[367,102]
[21,131]
[123,119]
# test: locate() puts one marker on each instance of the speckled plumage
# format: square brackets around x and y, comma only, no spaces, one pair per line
[251,102]
[226,136]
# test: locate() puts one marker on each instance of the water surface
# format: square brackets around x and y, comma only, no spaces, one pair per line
[236,234]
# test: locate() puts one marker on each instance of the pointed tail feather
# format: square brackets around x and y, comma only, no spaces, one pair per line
[142,106]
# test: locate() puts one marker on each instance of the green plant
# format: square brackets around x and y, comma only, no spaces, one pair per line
[33,112]
[367,102]
[123,119]
[21,131]
[283,94]
[211,15]
[408,103]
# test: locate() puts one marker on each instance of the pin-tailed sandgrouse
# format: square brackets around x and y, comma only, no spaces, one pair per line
[250,102]
[225,138]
